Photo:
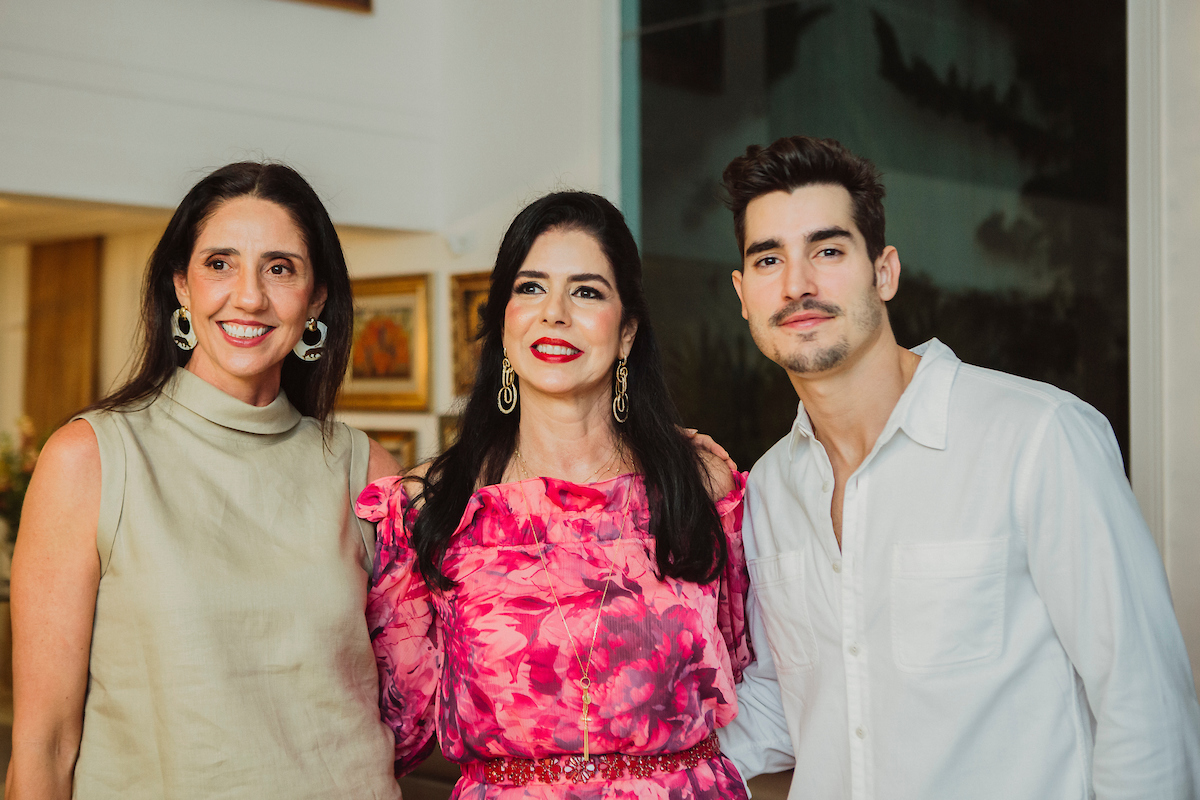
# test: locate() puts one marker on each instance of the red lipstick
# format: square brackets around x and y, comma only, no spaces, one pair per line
[561,352]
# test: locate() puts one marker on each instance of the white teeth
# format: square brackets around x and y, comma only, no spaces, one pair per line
[244,331]
[555,350]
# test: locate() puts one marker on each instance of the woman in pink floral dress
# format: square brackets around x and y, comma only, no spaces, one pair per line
[560,596]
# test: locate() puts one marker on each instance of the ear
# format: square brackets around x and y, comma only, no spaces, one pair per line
[316,303]
[737,287]
[887,273]
[181,289]
[627,336]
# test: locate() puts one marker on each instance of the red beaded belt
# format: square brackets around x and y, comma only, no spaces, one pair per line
[577,769]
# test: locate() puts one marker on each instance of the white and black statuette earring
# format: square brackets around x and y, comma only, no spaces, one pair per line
[312,342]
[181,329]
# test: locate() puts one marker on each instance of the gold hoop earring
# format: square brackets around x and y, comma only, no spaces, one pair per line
[620,405]
[506,399]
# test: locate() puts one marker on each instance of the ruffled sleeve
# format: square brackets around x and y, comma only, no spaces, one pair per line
[408,652]
[735,582]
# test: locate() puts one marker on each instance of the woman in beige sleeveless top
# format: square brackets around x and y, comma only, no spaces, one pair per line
[189,580]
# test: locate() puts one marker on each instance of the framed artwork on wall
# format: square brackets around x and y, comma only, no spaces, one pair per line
[468,293]
[447,431]
[401,444]
[363,6]
[389,358]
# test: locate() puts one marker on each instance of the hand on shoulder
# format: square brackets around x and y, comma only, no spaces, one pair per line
[718,477]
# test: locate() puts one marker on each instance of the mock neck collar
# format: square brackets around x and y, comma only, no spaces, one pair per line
[202,398]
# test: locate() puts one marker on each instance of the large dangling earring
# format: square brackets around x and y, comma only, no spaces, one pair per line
[506,400]
[181,329]
[621,398]
[312,342]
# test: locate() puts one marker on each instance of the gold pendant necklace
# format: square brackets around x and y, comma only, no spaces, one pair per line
[585,667]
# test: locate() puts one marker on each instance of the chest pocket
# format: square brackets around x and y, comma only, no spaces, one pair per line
[779,581]
[948,603]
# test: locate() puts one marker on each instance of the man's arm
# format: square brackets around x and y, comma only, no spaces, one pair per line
[1100,575]
[757,740]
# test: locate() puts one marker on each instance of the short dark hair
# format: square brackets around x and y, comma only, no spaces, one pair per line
[312,387]
[795,161]
[689,544]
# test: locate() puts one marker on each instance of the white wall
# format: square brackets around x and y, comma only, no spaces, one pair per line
[421,114]
[424,126]
[130,101]
[1164,239]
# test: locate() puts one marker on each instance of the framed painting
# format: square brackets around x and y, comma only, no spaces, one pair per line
[468,293]
[401,444]
[447,431]
[363,6]
[389,357]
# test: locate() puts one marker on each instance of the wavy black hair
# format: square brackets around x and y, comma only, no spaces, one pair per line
[683,519]
[312,387]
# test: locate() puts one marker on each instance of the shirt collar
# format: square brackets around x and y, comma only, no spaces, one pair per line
[923,410]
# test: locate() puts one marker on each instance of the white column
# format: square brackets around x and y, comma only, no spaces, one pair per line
[1164,283]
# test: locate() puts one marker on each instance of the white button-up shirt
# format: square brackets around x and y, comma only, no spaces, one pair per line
[996,624]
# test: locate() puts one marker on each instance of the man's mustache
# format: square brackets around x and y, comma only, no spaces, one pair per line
[807,304]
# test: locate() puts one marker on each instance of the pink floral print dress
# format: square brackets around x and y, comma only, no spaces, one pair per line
[491,662]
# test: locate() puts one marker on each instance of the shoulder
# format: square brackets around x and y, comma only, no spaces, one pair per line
[1020,411]
[718,478]
[1003,389]
[989,397]
[380,463]
[773,463]
[71,453]
[414,479]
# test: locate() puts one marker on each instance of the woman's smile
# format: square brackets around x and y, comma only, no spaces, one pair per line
[555,351]
[244,334]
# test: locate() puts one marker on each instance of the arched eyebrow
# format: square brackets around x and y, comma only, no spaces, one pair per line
[269,255]
[582,277]
[273,254]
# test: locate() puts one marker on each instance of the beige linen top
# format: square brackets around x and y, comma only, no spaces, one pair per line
[230,655]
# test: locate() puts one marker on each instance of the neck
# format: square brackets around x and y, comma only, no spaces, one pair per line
[258,390]
[850,405]
[569,438]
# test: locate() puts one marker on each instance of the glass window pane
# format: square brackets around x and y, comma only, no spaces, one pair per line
[1000,130]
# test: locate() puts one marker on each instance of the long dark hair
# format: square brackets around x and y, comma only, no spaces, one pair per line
[312,387]
[683,519]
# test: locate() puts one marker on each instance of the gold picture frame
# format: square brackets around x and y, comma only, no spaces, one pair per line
[401,444]
[361,6]
[447,431]
[389,358]
[468,293]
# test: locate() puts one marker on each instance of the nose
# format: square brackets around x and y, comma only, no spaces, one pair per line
[248,292]
[798,279]
[554,310]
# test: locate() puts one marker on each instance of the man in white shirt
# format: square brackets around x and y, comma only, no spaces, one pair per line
[954,593]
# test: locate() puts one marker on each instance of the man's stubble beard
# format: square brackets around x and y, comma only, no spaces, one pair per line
[866,316]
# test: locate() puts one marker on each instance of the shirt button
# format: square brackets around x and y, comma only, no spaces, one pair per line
[826,486]
[854,650]
[837,566]
[860,733]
